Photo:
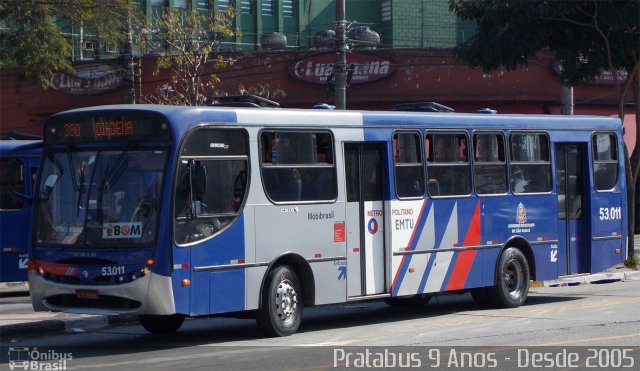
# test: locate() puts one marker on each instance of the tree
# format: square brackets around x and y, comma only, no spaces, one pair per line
[586,36]
[186,41]
[31,39]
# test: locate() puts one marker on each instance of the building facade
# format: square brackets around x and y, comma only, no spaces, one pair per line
[410,63]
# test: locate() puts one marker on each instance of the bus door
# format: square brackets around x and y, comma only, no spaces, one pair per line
[573,250]
[365,218]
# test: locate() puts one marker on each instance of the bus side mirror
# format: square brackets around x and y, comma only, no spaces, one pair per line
[49,184]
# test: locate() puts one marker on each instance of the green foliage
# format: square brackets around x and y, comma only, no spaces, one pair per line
[632,262]
[31,39]
[585,36]
[186,43]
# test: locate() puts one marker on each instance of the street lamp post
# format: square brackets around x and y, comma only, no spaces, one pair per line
[341,60]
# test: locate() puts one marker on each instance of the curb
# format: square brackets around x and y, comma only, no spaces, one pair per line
[71,325]
[597,278]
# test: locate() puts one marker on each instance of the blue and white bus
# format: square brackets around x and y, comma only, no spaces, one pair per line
[169,212]
[19,161]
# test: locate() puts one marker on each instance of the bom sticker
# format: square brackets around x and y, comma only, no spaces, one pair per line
[122,230]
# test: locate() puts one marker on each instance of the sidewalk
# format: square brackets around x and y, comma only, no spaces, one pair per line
[32,323]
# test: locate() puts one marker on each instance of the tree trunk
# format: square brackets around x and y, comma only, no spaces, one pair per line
[630,203]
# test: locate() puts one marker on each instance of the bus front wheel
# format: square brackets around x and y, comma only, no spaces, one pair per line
[161,324]
[512,281]
[281,310]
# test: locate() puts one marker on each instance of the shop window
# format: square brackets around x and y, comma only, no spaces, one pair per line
[267,7]
[287,8]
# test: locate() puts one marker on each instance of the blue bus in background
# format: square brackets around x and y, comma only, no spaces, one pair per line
[171,212]
[19,160]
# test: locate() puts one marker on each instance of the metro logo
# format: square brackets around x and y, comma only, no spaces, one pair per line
[122,230]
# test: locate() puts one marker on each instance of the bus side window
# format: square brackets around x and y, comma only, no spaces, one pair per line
[448,166]
[212,185]
[530,168]
[605,161]
[11,178]
[489,167]
[409,168]
[298,165]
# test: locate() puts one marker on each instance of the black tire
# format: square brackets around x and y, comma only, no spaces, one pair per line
[161,324]
[282,303]
[415,301]
[482,297]
[512,280]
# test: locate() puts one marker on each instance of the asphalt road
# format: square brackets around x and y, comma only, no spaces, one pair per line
[600,318]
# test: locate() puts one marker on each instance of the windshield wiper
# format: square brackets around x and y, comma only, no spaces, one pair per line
[72,167]
[112,176]
[80,190]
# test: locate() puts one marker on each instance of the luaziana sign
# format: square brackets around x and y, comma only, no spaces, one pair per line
[318,68]
[88,79]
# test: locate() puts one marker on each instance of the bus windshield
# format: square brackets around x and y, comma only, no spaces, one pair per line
[104,198]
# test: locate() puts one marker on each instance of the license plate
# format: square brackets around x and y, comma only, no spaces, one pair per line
[88,294]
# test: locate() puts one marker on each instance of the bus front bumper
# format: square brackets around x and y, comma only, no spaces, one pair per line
[151,294]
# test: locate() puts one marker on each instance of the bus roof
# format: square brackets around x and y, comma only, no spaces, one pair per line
[20,147]
[181,118]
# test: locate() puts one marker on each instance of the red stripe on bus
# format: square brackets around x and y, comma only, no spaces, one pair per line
[465,258]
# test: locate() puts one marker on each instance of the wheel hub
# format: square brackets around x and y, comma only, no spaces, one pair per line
[286,301]
[511,277]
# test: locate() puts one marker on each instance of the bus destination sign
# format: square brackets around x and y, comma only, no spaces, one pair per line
[99,128]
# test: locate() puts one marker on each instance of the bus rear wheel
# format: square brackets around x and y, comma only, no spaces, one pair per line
[161,324]
[281,310]
[512,283]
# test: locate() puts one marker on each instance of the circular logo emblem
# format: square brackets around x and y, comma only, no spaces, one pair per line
[521,213]
[372,226]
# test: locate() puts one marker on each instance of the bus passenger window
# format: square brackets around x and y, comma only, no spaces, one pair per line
[530,168]
[11,178]
[448,166]
[211,184]
[605,161]
[409,169]
[298,166]
[489,166]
